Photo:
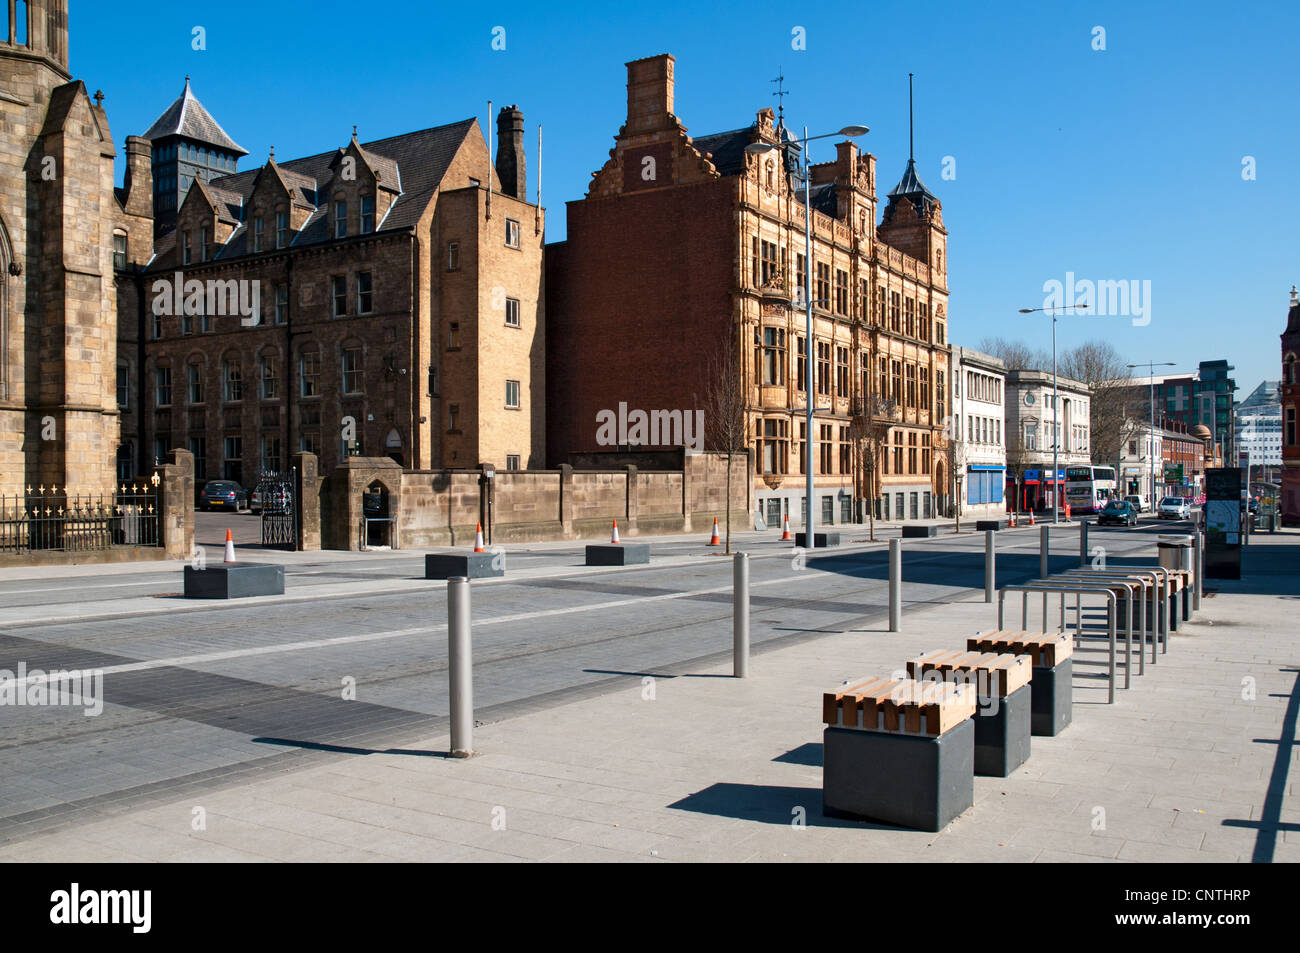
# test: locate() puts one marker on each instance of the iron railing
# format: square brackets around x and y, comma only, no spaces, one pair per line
[50,519]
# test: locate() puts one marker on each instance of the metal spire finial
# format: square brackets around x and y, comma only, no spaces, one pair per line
[780,94]
[911,151]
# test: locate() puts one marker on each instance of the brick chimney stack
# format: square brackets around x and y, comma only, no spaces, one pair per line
[511,167]
[139,176]
[649,93]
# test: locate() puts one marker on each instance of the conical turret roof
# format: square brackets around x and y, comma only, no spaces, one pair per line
[186,117]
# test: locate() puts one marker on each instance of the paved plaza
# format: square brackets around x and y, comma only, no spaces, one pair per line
[609,726]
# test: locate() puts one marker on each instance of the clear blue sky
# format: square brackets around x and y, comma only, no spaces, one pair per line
[1122,164]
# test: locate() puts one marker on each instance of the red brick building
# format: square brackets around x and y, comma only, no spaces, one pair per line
[687,250]
[1290,396]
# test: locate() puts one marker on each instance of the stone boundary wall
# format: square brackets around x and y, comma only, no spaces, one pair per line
[442,507]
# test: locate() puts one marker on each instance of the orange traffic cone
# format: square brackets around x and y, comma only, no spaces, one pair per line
[478,538]
[1031,517]
[715,541]
[230,547]
[785,531]
[613,538]
[1012,521]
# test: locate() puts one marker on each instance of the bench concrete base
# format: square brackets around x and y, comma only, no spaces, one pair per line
[618,554]
[469,565]
[1052,694]
[234,581]
[982,525]
[822,540]
[909,780]
[919,532]
[1002,733]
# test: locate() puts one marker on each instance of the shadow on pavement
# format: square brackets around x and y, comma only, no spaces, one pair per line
[347,749]
[768,803]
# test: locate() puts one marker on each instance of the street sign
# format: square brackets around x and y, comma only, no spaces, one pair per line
[1173,473]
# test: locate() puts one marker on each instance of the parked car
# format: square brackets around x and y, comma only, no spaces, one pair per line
[223,495]
[1119,512]
[1139,502]
[1175,508]
[272,497]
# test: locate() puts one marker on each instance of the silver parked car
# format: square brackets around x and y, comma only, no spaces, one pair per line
[1175,508]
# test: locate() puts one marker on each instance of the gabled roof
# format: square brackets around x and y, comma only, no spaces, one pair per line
[226,204]
[186,117]
[423,158]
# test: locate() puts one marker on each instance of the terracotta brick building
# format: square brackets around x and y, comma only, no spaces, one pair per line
[61,222]
[687,248]
[1290,396]
[380,299]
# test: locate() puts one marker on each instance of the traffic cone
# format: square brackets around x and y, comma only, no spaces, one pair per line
[1012,521]
[230,547]
[785,523]
[1031,517]
[613,538]
[478,538]
[715,541]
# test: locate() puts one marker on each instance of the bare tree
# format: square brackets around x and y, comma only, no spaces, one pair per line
[1016,355]
[726,410]
[874,416]
[1113,415]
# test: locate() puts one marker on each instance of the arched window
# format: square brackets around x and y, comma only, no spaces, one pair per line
[1288,370]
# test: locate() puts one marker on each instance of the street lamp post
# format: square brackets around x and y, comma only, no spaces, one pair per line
[1151,433]
[1056,411]
[756,148]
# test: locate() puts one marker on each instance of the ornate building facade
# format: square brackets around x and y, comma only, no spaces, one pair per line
[687,249]
[1290,396]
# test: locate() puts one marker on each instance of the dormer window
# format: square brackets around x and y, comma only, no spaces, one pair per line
[281,229]
[203,243]
[340,219]
[367,214]
[185,248]
[257,233]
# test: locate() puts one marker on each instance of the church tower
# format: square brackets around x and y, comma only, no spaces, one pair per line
[913,219]
[58,215]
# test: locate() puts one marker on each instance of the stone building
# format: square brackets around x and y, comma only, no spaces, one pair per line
[977,445]
[380,299]
[1290,397]
[1036,433]
[62,223]
[687,254]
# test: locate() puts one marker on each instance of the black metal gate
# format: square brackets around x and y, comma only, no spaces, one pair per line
[279,507]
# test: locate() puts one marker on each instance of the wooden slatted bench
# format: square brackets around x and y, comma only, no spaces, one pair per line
[1052,672]
[899,751]
[1003,701]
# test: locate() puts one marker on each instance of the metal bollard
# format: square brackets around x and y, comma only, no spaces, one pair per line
[1198,565]
[1044,543]
[1083,544]
[895,584]
[990,571]
[740,616]
[460,667]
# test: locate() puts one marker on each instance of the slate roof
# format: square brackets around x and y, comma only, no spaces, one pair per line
[728,148]
[910,186]
[418,160]
[186,117]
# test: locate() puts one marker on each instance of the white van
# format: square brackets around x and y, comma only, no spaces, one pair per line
[1139,502]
